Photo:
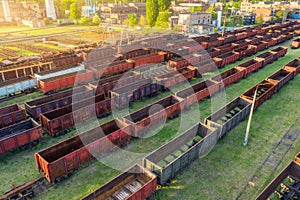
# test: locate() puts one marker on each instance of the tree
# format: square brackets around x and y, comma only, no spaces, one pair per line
[259,20]
[279,14]
[195,9]
[143,21]
[163,5]
[85,21]
[151,11]
[132,19]
[212,10]
[96,20]
[163,20]
[74,12]
[237,4]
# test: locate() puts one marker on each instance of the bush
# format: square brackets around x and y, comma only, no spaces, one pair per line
[47,21]
[85,21]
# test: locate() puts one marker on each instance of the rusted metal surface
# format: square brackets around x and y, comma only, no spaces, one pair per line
[136,183]
[293,66]
[229,116]
[286,185]
[265,90]
[280,78]
[59,161]
[23,134]
[11,114]
[153,115]
[229,77]
[250,66]
[168,160]
[38,106]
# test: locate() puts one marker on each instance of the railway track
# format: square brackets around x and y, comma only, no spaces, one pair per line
[272,161]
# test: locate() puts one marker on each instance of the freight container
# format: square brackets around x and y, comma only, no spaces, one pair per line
[224,49]
[168,160]
[151,71]
[259,46]
[266,58]
[205,66]
[198,92]
[58,72]
[295,44]
[105,85]
[178,63]
[285,185]
[22,134]
[146,59]
[113,68]
[227,58]
[211,43]
[11,114]
[293,66]
[134,184]
[240,44]
[60,160]
[67,80]
[59,121]
[250,66]
[280,78]
[229,77]
[153,115]
[122,97]
[227,39]
[175,77]
[279,52]
[265,90]
[229,116]
[245,51]
[24,84]
[270,42]
[38,106]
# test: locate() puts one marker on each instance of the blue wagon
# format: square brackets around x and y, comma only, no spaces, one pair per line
[13,86]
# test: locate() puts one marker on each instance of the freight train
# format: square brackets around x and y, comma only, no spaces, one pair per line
[215,126]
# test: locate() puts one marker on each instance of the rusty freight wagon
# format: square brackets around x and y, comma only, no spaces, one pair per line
[67,80]
[175,77]
[240,44]
[59,121]
[134,184]
[122,97]
[147,59]
[285,186]
[23,134]
[205,66]
[250,66]
[229,116]
[266,58]
[38,106]
[245,51]
[280,78]
[259,46]
[230,76]
[11,114]
[60,160]
[168,160]
[113,68]
[295,44]
[105,85]
[198,92]
[293,66]
[265,90]
[227,58]
[279,52]
[153,115]
[224,49]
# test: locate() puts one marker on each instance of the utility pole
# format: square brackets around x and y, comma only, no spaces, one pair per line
[225,17]
[250,117]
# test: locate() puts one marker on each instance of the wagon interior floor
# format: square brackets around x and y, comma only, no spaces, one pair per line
[127,190]
[230,114]
[279,77]
[15,129]
[178,152]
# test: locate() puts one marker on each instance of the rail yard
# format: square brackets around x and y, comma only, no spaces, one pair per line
[49,149]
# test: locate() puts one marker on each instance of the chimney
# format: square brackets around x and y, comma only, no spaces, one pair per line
[6,11]
[50,11]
